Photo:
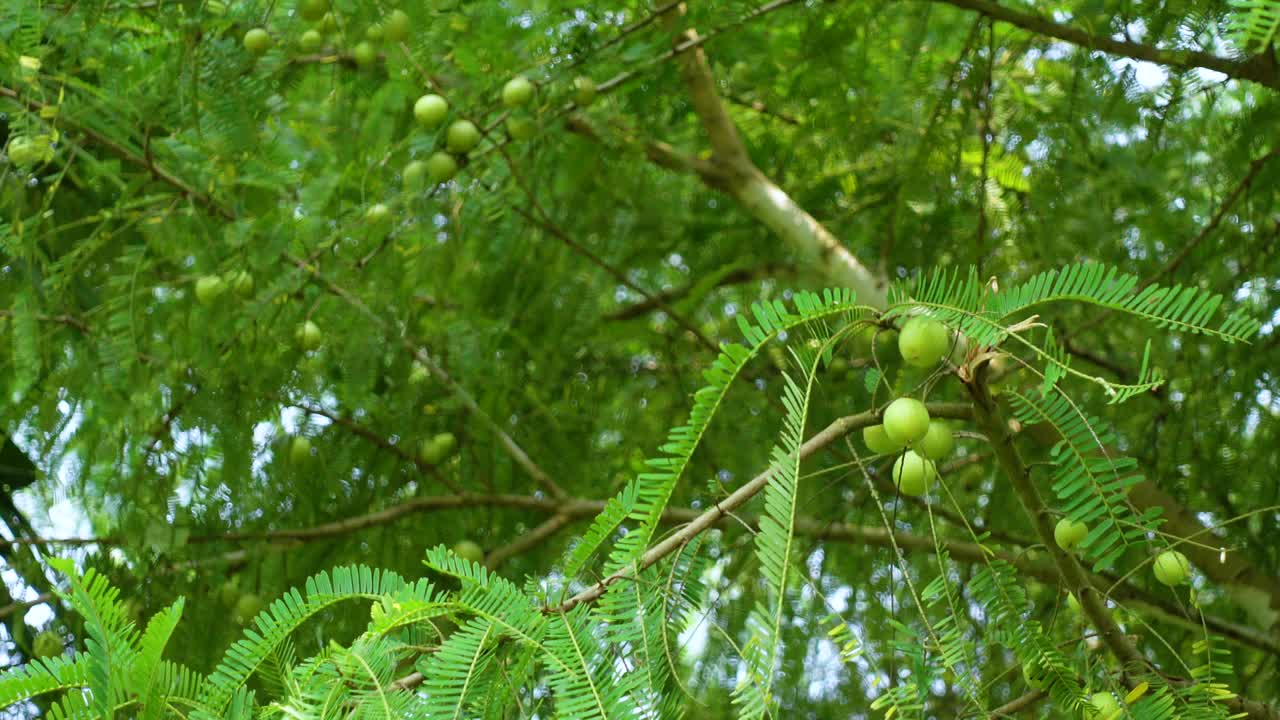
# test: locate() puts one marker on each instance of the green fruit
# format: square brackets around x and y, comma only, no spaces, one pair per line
[328,23]
[1172,568]
[470,551]
[414,174]
[374,33]
[521,128]
[441,167]
[958,348]
[1103,706]
[208,288]
[240,281]
[923,341]
[257,41]
[312,10]
[25,152]
[937,443]
[1034,676]
[310,41]
[229,593]
[309,335]
[462,136]
[430,110]
[913,474]
[517,92]
[247,607]
[216,7]
[299,450]
[47,644]
[377,214]
[365,55]
[906,420]
[436,450]
[878,442]
[397,26]
[584,91]
[1069,534]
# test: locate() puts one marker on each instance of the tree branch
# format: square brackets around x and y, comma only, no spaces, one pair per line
[1258,68]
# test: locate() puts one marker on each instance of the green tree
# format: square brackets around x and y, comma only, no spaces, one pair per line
[347,378]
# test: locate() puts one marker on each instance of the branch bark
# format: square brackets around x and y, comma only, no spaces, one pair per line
[1259,68]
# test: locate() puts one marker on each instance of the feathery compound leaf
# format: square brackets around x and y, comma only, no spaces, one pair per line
[1253,24]
[755,692]
[453,670]
[110,634]
[646,496]
[43,676]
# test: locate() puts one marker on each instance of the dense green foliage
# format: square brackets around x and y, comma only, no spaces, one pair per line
[278,330]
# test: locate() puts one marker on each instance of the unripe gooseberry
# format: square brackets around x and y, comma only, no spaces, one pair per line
[923,341]
[312,10]
[878,441]
[25,152]
[436,450]
[1103,706]
[462,136]
[47,644]
[414,174]
[1172,568]
[397,26]
[365,54]
[518,91]
[584,91]
[310,41]
[299,450]
[521,128]
[913,474]
[257,41]
[1069,534]
[377,214]
[430,110]
[309,335]
[240,281]
[247,607]
[208,288]
[374,33]
[228,593]
[469,550]
[906,420]
[441,167]
[937,443]
[328,23]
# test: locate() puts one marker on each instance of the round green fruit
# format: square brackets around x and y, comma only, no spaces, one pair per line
[47,644]
[229,593]
[470,551]
[377,214]
[328,23]
[462,137]
[312,10]
[584,91]
[906,420]
[257,41]
[418,373]
[1069,534]
[299,450]
[521,128]
[923,341]
[913,474]
[1172,568]
[310,41]
[430,110]
[441,167]
[374,33]
[937,443]
[1103,706]
[25,152]
[240,281]
[208,288]
[414,174]
[517,92]
[365,55]
[436,450]
[397,26]
[309,335]
[878,442]
[247,607]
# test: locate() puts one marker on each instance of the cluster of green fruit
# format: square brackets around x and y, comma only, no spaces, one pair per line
[394,27]
[244,606]
[211,287]
[907,427]
[438,448]
[1170,568]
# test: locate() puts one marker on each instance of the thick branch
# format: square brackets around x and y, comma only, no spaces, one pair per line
[1258,68]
